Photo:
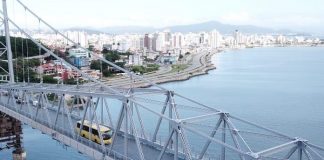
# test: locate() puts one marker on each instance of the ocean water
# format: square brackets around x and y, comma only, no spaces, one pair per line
[281,88]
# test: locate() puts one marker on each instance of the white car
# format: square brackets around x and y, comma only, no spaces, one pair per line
[33,102]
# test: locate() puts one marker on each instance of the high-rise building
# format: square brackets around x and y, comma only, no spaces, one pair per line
[215,39]
[141,43]
[147,41]
[238,38]
[161,42]
[177,40]
[154,39]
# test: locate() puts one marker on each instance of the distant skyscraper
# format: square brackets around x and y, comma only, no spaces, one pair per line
[147,41]
[177,40]
[154,39]
[202,38]
[142,43]
[161,42]
[237,38]
[215,39]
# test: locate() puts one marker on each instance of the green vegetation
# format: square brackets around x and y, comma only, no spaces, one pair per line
[179,67]
[49,79]
[148,68]
[106,73]
[111,56]
[96,65]
[22,68]
[70,81]
[91,47]
[19,47]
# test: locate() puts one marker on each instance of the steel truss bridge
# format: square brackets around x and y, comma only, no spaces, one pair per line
[147,123]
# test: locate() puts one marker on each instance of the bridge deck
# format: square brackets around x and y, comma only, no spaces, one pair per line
[150,150]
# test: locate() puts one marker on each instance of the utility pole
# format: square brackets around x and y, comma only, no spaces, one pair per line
[8,44]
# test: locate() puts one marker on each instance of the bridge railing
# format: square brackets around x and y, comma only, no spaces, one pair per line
[4,78]
[64,131]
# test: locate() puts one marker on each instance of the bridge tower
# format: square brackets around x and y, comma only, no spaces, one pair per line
[18,153]
[8,44]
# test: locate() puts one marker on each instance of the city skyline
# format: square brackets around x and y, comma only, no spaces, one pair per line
[298,16]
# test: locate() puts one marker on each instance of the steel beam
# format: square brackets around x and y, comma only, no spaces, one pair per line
[234,133]
[165,145]
[8,44]
[291,152]
[212,134]
[138,143]
[278,148]
[317,154]
[223,155]
[307,154]
[160,119]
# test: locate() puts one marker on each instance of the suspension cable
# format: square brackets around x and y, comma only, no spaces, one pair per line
[16,60]
[101,69]
[23,58]
[15,41]
[40,75]
[62,70]
[27,48]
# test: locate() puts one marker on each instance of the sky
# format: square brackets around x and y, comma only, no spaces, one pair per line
[297,15]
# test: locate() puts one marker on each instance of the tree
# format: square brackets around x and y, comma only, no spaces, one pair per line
[120,64]
[104,51]
[95,65]
[70,81]
[19,47]
[112,57]
[142,69]
[106,73]
[91,47]
[23,69]
[49,79]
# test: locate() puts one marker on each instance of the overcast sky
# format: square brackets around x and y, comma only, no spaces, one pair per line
[299,15]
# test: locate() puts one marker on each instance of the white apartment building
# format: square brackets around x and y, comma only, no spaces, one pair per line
[135,60]
[215,39]
[177,40]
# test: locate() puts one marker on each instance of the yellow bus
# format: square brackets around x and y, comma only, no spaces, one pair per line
[85,132]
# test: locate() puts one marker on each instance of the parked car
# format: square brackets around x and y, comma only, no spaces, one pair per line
[20,101]
[4,93]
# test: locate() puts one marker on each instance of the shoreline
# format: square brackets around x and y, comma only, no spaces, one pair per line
[196,72]
[205,65]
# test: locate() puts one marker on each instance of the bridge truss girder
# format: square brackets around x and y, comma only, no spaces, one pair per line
[179,122]
[171,123]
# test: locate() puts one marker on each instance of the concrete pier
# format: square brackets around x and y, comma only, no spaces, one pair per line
[10,133]
[19,154]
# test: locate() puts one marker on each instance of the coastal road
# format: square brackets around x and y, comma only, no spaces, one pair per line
[198,65]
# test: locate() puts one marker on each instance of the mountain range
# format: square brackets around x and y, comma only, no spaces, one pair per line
[206,26]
